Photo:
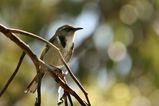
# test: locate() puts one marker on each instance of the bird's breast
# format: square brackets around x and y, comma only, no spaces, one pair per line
[52,56]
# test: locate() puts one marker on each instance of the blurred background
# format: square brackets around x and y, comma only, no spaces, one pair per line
[116,56]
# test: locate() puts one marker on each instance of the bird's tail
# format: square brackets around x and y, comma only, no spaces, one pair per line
[34,84]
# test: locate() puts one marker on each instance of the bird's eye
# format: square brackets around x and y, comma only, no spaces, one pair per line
[67,29]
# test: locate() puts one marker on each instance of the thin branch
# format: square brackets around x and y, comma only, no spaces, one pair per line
[21,44]
[18,31]
[14,73]
[38,63]
[67,88]
[39,89]
[66,102]
[38,102]
[70,99]
[78,83]
[66,93]
[61,56]
[65,99]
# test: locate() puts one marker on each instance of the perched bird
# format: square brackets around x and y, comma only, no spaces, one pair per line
[64,40]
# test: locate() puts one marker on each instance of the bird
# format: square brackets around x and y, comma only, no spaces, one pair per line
[63,39]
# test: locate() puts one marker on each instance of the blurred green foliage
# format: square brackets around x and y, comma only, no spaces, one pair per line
[117,61]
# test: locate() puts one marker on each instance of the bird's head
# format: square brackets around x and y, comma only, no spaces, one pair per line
[67,30]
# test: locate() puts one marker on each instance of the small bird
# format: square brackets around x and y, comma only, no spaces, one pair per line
[64,40]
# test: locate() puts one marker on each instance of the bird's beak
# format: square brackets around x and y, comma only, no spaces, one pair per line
[79,28]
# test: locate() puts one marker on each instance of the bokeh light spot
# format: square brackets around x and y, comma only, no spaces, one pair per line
[128,14]
[103,36]
[144,9]
[121,92]
[140,101]
[124,66]
[154,97]
[117,51]
[124,34]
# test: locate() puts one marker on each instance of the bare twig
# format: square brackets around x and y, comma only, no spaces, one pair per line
[62,59]
[21,44]
[78,83]
[65,99]
[38,102]
[67,88]
[18,31]
[69,98]
[67,94]
[40,65]
[14,73]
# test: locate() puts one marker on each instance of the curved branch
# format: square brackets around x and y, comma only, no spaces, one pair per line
[33,36]
[21,44]
[39,64]
[61,56]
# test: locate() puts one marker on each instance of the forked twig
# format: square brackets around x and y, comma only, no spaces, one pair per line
[14,73]
[38,98]
[61,56]
[78,83]
[66,94]
[69,98]
[65,99]
[66,87]
[38,63]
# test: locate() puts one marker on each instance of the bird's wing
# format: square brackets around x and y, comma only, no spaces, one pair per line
[69,54]
[47,47]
